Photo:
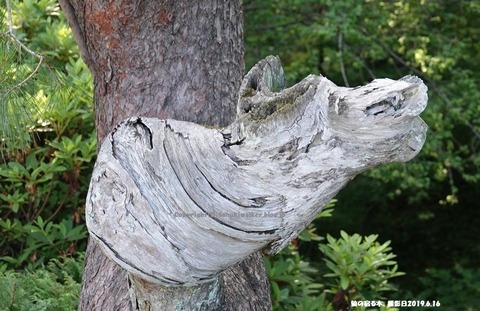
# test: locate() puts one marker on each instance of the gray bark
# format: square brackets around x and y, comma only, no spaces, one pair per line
[176,203]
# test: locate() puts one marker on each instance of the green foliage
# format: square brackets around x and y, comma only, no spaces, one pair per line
[43,188]
[42,27]
[457,289]
[450,157]
[352,42]
[16,90]
[33,77]
[423,205]
[41,240]
[292,278]
[292,284]
[44,183]
[54,287]
[361,267]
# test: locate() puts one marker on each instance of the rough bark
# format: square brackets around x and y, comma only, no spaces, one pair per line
[149,296]
[199,200]
[166,59]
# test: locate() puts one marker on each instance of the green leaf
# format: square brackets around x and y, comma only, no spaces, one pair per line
[344,282]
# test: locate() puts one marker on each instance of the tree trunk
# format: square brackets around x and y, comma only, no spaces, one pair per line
[166,59]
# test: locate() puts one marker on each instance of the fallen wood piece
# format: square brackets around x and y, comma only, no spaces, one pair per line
[176,203]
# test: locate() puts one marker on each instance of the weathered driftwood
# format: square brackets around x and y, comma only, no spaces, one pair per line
[176,203]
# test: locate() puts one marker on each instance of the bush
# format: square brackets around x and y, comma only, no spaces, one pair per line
[44,182]
[457,289]
[295,283]
[292,282]
[43,188]
[360,269]
[54,287]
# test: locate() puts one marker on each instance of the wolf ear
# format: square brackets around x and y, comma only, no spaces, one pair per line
[266,76]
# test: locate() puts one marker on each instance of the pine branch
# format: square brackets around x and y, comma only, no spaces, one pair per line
[16,91]
[12,36]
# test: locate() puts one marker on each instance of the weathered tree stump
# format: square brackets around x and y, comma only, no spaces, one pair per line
[176,203]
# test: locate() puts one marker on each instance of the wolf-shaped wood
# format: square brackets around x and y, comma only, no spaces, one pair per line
[176,203]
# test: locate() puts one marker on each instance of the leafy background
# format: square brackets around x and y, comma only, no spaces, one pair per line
[400,231]
[428,208]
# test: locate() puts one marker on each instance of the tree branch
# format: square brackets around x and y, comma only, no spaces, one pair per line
[340,56]
[12,36]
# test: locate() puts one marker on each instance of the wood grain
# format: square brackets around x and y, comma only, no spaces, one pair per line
[198,199]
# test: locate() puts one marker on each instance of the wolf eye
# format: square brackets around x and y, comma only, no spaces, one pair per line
[396,102]
[385,106]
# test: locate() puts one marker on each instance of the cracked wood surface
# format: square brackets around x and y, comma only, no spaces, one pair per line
[198,199]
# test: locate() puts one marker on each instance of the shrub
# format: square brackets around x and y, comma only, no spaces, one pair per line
[52,287]
[361,268]
[44,179]
[43,187]
[295,283]
[455,289]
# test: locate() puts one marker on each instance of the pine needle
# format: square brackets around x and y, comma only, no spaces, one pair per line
[22,100]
